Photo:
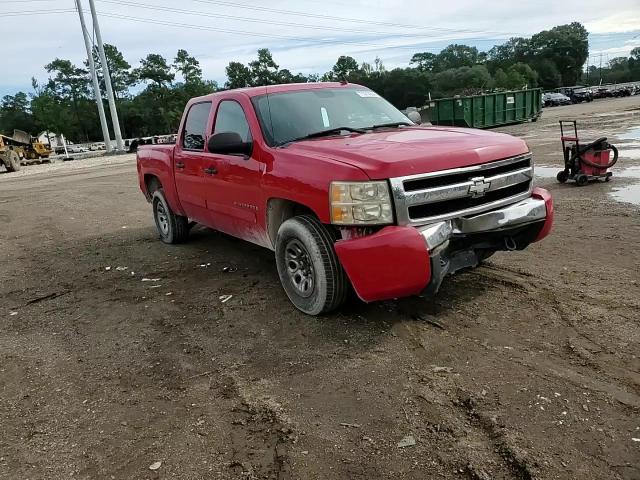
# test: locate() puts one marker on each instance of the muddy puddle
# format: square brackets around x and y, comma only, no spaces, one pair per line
[631,134]
[629,193]
[626,194]
[627,151]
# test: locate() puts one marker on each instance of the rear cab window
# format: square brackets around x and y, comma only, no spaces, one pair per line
[195,126]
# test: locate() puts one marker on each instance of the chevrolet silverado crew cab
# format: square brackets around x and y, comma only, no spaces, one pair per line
[344,188]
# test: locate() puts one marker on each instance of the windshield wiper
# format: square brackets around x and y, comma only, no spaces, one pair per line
[390,125]
[324,133]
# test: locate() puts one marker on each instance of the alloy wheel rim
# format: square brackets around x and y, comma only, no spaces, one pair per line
[299,268]
[163,218]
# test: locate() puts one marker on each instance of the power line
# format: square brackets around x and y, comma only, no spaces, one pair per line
[257,34]
[260,8]
[342,19]
[15,14]
[268,22]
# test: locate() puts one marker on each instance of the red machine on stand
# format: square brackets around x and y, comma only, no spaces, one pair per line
[583,163]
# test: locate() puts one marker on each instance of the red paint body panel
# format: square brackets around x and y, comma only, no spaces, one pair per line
[543,194]
[157,161]
[408,151]
[393,262]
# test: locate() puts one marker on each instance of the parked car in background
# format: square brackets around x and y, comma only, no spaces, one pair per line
[76,149]
[554,99]
[581,95]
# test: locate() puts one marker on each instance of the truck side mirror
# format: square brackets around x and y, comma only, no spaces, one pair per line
[229,143]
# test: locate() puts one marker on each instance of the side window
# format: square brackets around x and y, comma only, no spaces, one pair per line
[231,118]
[195,126]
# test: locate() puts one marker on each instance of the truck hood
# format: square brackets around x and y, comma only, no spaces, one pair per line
[408,151]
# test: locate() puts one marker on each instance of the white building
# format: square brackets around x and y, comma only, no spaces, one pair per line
[51,138]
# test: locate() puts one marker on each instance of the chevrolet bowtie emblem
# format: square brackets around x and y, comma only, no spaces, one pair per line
[479,187]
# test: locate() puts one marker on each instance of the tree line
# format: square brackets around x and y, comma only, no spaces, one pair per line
[150,97]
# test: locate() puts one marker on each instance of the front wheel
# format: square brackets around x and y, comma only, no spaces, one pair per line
[562,176]
[12,161]
[308,266]
[172,228]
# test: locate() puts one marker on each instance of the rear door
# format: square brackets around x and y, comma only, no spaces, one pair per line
[234,196]
[189,162]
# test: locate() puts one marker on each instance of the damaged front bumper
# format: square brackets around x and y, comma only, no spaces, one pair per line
[403,261]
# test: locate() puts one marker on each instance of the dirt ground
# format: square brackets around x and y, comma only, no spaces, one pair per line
[526,368]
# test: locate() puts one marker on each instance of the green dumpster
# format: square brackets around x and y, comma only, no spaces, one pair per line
[485,111]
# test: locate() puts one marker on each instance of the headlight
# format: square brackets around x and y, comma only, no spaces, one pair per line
[358,203]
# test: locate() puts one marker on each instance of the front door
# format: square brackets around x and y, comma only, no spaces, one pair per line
[234,196]
[190,160]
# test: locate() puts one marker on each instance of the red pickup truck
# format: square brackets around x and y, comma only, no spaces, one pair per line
[344,188]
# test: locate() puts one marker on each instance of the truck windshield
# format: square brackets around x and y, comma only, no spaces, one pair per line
[288,116]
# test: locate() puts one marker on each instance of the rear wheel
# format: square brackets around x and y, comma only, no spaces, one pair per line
[308,266]
[582,180]
[172,228]
[12,161]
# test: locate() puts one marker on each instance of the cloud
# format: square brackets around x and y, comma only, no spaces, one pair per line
[390,29]
[618,51]
[619,22]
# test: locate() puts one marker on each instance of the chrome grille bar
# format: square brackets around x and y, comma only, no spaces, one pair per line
[461,190]
[475,187]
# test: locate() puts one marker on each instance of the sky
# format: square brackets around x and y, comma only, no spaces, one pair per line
[304,36]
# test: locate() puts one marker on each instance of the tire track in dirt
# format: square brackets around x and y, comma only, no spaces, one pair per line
[594,354]
[497,438]
[489,451]
[603,374]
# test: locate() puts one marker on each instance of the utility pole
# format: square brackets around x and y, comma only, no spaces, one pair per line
[94,76]
[600,68]
[107,80]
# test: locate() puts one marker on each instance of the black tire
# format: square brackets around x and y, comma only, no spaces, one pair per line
[308,266]
[12,161]
[562,176]
[172,228]
[581,179]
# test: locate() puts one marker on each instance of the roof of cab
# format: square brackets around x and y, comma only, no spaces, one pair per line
[287,87]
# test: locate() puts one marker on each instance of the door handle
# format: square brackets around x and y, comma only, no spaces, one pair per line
[210,171]
[179,165]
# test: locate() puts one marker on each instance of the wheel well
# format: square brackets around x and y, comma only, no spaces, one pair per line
[152,183]
[280,210]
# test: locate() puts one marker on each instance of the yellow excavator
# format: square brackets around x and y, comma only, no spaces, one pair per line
[21,148]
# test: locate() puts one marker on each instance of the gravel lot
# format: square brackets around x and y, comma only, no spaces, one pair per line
[526,368]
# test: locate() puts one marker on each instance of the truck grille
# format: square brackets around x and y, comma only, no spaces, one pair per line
[437,196]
